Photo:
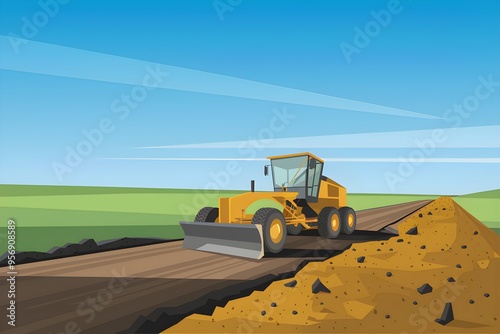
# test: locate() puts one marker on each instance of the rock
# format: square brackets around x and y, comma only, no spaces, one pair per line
[83,247]
[429,213]
[420,215]
[471,301]
[399,240]
[487,295]
[25,257]
[89,244]
[263,312]
[451,279]
[425,288]
[319,287]
[273,304]
[291,284]
[4,256]
[361,259]
[422,247]
[459,265]
[463,246]
[415,302]
[476,232]
[388,274]
[56,250]
[294,312]
[447,315]
[387,316]
[390,249]
[412,231]
[444,209]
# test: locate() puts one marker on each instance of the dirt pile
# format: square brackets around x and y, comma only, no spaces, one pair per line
[441,274]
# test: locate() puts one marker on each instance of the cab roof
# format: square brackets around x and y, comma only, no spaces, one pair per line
[295,155]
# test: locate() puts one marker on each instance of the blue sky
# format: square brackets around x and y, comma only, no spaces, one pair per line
[415,109]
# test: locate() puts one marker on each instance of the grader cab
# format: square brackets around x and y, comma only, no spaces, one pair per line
[303,199]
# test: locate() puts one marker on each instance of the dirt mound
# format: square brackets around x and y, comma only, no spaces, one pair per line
[445,269]
[85,246]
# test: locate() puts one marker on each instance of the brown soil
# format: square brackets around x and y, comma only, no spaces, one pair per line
[380,293]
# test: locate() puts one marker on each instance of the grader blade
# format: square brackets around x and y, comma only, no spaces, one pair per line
[244,240]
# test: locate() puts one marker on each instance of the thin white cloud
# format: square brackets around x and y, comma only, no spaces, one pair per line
[189,159]
[367,160]
[56,60]
[423,160]
[468,137]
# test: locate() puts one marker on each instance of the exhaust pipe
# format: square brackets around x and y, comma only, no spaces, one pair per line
[252,186]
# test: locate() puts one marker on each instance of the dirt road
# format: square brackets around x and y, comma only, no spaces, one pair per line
[109,291]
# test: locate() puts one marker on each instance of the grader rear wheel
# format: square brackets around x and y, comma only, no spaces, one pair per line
[348,220]
[329,225]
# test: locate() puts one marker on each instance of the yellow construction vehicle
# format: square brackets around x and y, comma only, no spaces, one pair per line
[306,200]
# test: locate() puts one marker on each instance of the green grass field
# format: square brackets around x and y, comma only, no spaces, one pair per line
[48,216]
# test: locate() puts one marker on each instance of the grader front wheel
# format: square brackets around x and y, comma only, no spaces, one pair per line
[207,215]
[273,228]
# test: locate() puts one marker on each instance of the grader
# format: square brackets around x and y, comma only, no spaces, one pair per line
[306,200]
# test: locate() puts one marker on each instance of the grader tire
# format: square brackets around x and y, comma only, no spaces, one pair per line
[329,223]
[207,215]
[294,230]
[273,228]
[348,220]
